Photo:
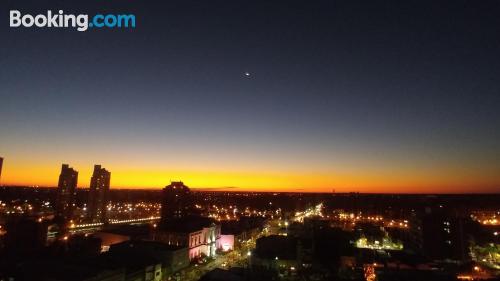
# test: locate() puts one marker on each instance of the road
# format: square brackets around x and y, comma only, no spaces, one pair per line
[238,257]
[235,258]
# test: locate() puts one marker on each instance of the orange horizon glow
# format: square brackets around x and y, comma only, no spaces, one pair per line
[369,181]
[238,99]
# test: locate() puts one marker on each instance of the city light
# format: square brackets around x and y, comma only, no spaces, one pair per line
[250,140]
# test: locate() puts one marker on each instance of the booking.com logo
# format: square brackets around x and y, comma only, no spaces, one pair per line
[80,22]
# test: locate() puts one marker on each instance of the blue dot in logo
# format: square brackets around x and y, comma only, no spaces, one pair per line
[91,24]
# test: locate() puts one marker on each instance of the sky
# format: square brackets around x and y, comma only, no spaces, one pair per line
[363,96]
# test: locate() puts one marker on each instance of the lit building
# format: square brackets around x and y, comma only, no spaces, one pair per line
[98,194]
[227,242]
[234,233]
[176,201]
[200,235]
[66,193]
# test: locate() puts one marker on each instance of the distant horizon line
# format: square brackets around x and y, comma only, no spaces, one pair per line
[232,190]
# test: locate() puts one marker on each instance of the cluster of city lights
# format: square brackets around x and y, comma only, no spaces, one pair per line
[316,211]
[16,207]
[491,222]
[113,221]
[354,218]
[133,220]
[486,217]
[139,209]
[232,212]
[385,244]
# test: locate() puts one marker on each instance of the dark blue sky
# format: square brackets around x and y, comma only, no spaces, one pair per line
[399,89]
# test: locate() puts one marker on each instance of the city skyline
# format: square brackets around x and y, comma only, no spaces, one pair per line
[382,97]
[162,179]
[284,140]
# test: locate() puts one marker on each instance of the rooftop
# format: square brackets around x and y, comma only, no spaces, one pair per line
[187,224]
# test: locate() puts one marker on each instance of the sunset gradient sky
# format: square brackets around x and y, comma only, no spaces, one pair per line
[379,97]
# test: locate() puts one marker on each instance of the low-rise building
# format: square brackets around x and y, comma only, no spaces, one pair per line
[118,234]
[199,234]
[276,252]
[234,233]
[173,258]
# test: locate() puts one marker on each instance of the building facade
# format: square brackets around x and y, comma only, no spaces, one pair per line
[176,201]
[98,195]
[204,242]
[1,164]
[201,236]
[66,192]
[444,238]
[439,235]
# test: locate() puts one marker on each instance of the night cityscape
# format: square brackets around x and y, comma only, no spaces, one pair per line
[249,140]
[177,233]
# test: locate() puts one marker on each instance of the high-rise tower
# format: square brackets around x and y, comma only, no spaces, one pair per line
[98,194]
[66,193]
[176,201]
[1,164]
